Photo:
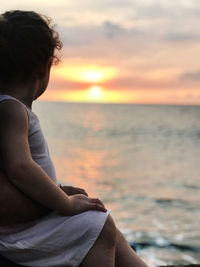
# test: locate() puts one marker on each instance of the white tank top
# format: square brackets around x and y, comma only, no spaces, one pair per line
[38,145]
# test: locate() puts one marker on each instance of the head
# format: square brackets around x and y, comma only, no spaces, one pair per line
[28,45]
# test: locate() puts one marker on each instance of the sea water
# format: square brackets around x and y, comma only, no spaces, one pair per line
[142,161]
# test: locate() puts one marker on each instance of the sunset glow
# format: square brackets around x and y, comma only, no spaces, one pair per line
[85,73]
[134,52]
[94,94]
[93,75]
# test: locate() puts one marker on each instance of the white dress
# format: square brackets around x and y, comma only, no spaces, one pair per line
[52,240]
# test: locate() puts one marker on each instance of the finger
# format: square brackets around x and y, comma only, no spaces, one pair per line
[96,206]
[85,193]
[96,200]
[82,191]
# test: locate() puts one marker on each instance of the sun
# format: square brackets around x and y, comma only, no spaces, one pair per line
[95,93]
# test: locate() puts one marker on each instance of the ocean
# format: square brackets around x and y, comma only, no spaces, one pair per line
[142,161]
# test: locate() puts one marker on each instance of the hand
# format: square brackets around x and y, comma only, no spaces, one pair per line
[81,203]
[70,190]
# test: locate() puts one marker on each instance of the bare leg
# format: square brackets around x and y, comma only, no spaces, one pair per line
[103,251]
[125,256]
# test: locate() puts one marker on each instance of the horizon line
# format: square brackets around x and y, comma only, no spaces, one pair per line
[119,103]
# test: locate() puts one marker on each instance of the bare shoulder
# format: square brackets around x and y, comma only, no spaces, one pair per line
[12,113]
[14,147]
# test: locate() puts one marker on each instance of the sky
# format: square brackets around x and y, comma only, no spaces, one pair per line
[123,51]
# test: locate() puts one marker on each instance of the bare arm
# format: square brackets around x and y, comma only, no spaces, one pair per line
[28,176]
[71,190]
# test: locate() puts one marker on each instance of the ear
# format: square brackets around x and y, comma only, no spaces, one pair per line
[44,67]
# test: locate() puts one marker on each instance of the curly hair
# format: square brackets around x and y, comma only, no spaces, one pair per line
[27,40]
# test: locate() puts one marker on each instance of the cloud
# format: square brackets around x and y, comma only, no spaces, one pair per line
[67,85]
[112,29]
[191,76]
[132,83]
[90,34]
[152,11]
[182,37]
[123,83]
[101,36]
[77,36]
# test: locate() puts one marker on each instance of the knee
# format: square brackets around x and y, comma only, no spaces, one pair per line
[109,232]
